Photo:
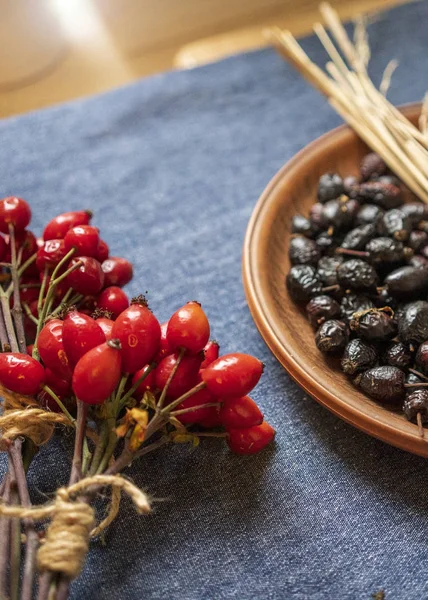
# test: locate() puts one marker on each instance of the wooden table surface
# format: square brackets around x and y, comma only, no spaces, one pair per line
[66,49]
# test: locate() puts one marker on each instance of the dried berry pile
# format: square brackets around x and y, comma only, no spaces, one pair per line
[360,266]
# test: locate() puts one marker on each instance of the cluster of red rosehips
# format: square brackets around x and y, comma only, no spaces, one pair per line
[87,341]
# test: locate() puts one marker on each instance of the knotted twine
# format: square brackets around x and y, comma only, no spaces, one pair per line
[67,537]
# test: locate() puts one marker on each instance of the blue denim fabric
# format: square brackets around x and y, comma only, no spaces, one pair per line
[173,166]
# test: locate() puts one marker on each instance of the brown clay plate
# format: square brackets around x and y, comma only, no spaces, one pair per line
[282,325]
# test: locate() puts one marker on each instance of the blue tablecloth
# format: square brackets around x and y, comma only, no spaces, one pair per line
[172,167]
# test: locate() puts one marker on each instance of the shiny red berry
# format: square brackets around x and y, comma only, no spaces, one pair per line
[239,413]
[117,271]
[103,251]
[106,325]
[164,348]
[14,211]
[185,378]
[80,334]
[20,373]
[213,420]
[61,387]
[196,416]
[232,375]
[113,299]
[50,254]
[25,240]
[188,328]
[211,352]
[148,383]
[51,348]
[250,440]
[97,373]
[59,225]
[139,333]
[84,239]
[88,279]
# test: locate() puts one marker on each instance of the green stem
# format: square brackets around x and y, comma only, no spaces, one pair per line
[188,394]
[120,389]
[183,411]
[111,445]
[4,301]
[99,449]
[52,394]
[29,313]
[170,378]
[27,264]
[15,540]
[42,293]
[87,455]
[17,308]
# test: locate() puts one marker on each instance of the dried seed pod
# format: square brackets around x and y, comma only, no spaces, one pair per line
[407,282]
[417,239]
[327,269]
[358,356]
[302,226]
[375,324]
[354,303]
[357,238]
[327,243]
[418,261]
[416,402]
[415,211]
[384,299]
[413,323]
[332,337]
[372,165]
[396,224]
[384,384]
[303,251]
[339,214]
[357,275]
[385,251]
[369,214]
[398,355]
[321,309]
[330,187]
[385,195]
[303,283]
[422,358]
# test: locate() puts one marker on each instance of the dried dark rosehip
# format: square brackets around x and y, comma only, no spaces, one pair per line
[303,283]
[417,240]
[415,211]
[407,282]
[326,242]
[396,224]
[372,165]
[422,358]
[327,269]
[358,356]
[385,195]
[357,275]
[357,238]
[332,336]
[354,303]
[416,402]
[302,225]
[303,251]
[384,299]
[375,324]
[330,187]
[339,213]
[398,355]
[321,309]
[316,216]
[413,323]
[384,384]
[349,182]
[418,261]
[369,214]
[413,379]
[384,251]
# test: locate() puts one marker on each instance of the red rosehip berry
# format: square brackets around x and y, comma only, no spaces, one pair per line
[14,211]
[185,378]
[21,373]
[103,251]
[188,328]
[59,225]
[138,331]
[232,375]
[213,420]
[164,348]
[97,373]
[3,250]
[88,279]
[30,349]
[61,387]
[117,271]
[50,254]
[148,383]
[24,239]
[200,414]
[27,295]
[84,239]
[113,299]
[80,334]
[51,348]
[250,440]
[240,413]
[106,325]
[211,352]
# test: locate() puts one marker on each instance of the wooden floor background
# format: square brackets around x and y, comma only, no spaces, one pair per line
[55,50]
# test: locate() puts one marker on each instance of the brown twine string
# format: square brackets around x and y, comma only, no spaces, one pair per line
[23,417]
[67,537]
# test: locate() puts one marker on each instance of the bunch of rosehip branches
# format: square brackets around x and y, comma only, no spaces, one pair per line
[76,353]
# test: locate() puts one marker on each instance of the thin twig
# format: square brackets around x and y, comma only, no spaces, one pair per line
[17,309]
